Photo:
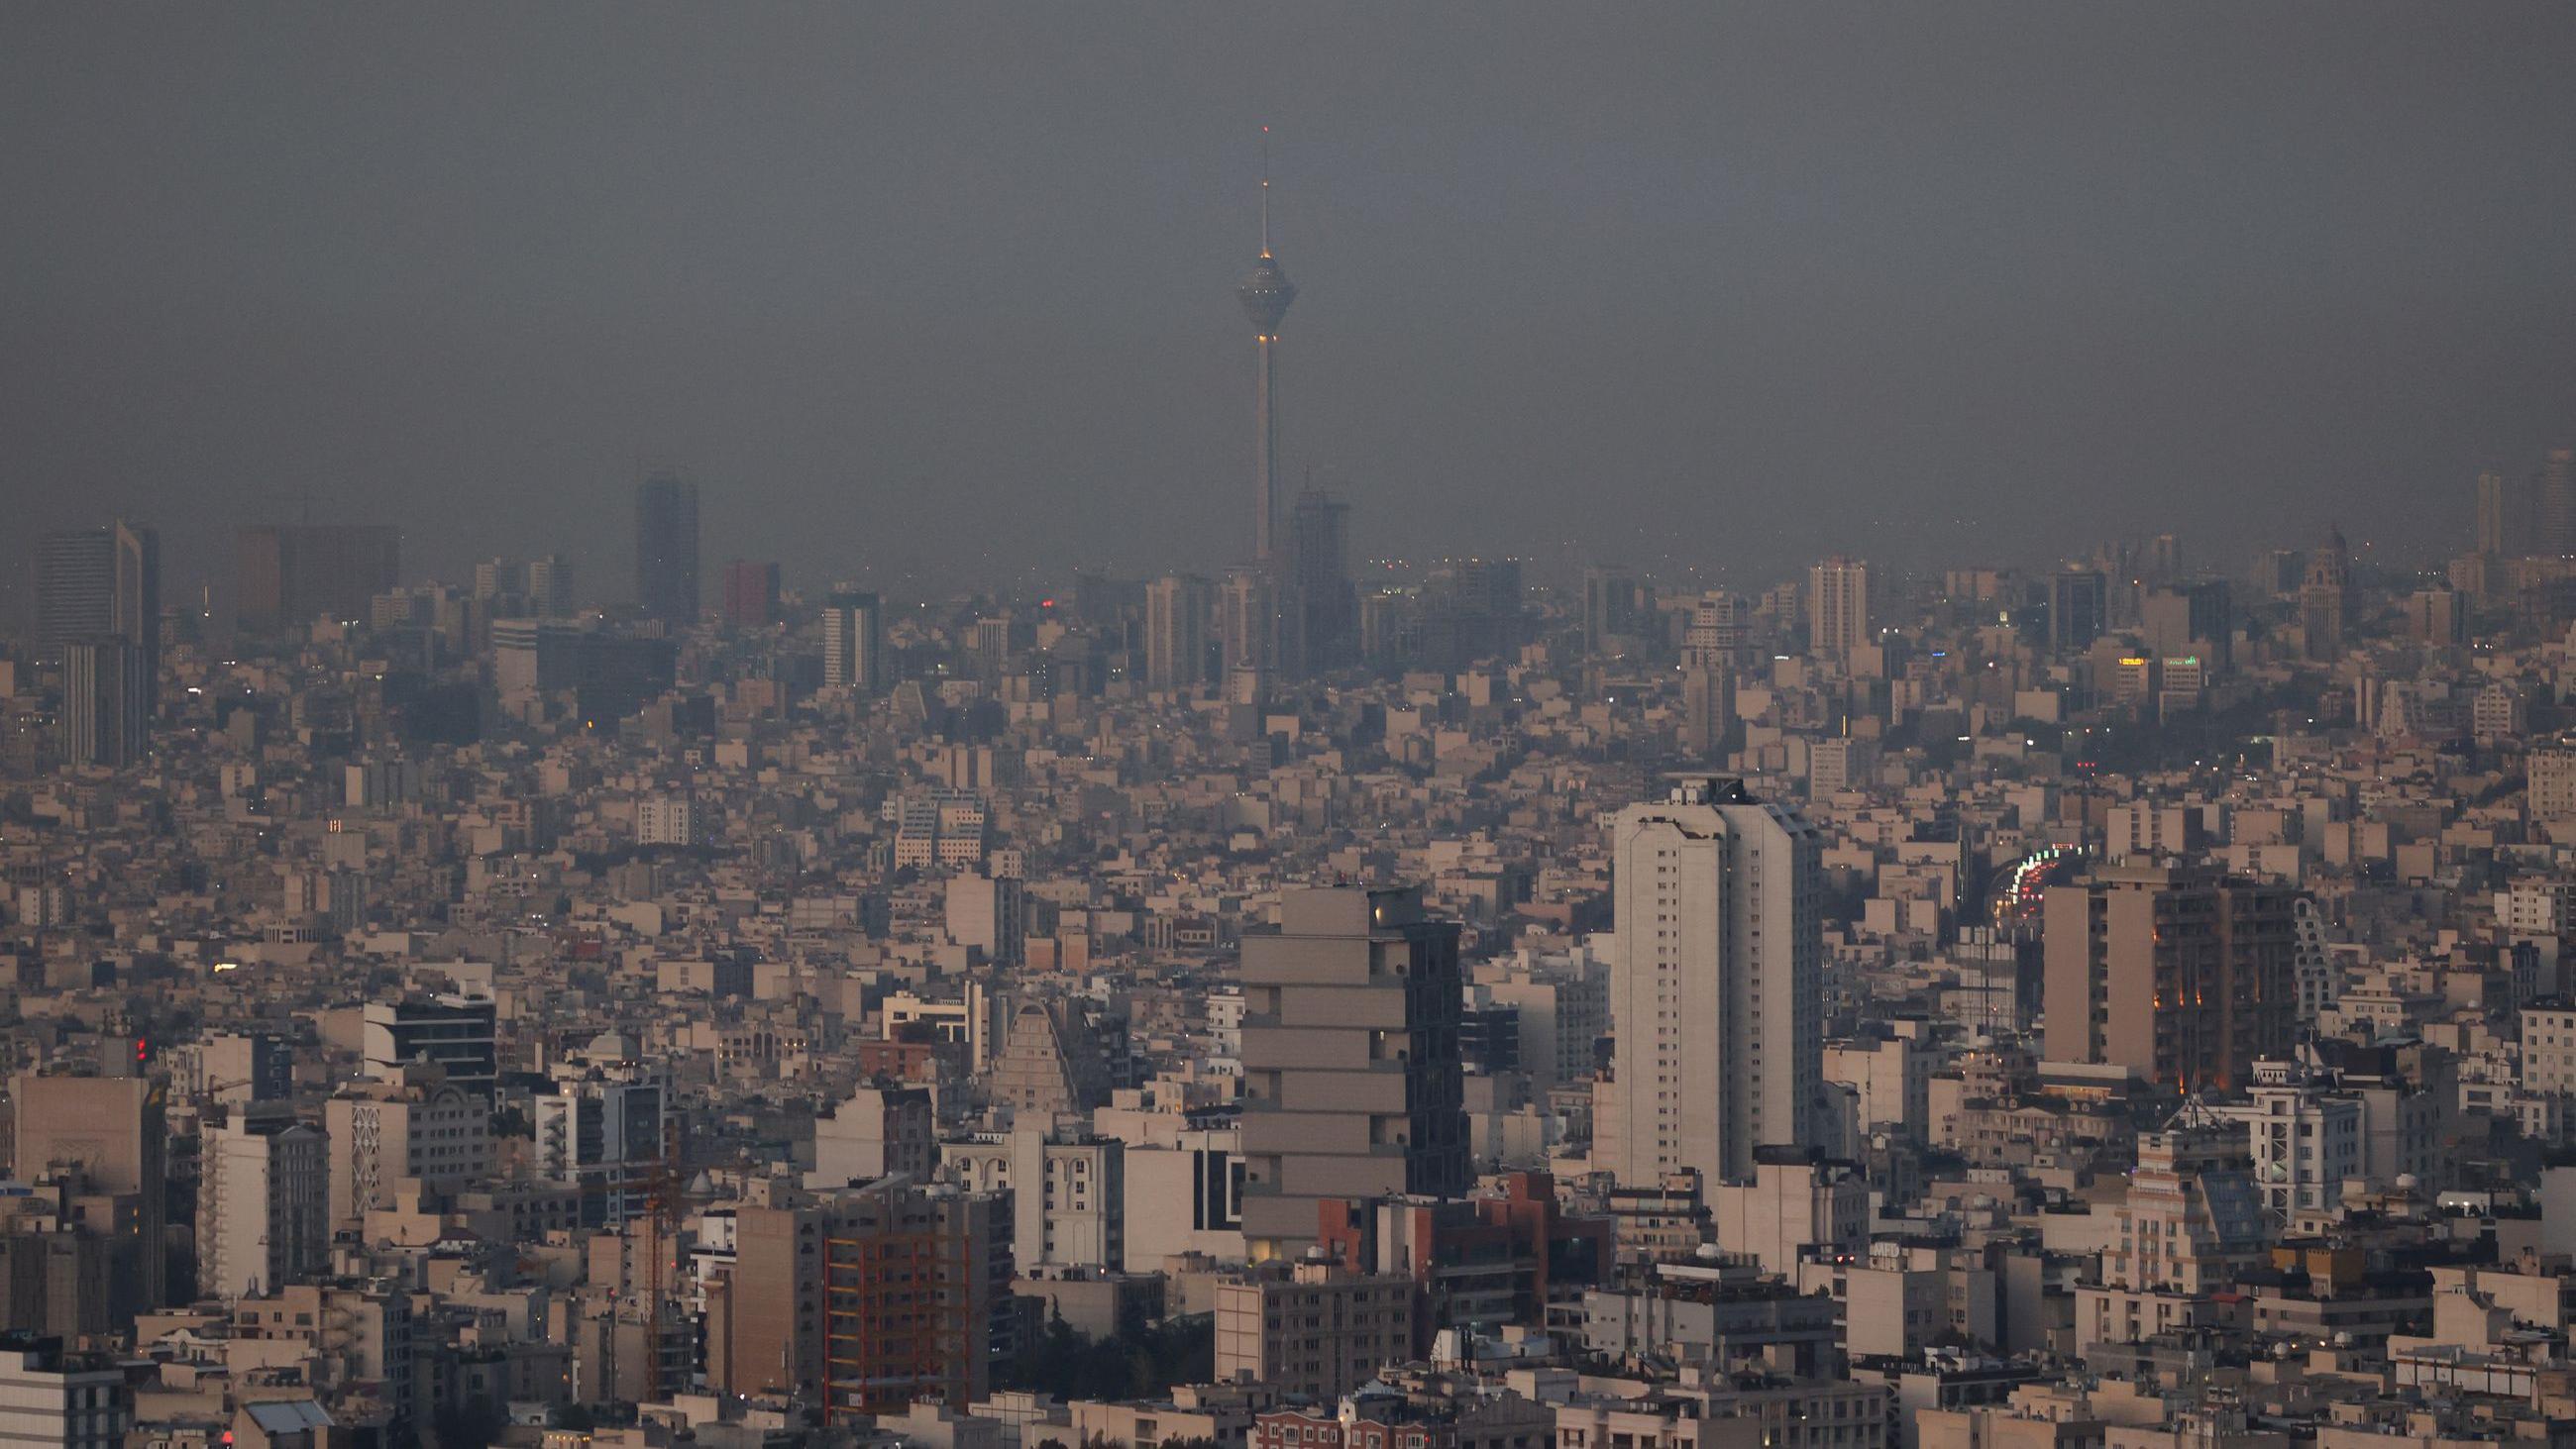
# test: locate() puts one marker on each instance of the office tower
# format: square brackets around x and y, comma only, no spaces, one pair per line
[1716,983]
[864,1300]
[2194,619]
[455,1032]
[2163,562]
[1718,632]
[988,646]
[666,549]
[1320,574]
[263,1197]
[1615,610]
[94,582]
[750,594]
[104,720]
[1470,611]
[292,574]
[853,641]
[2185,976]
[1246,612]
[548,583]
[2553,505]
[1265,296]
[2325,596]
[2277,572]
[2490,539]
[104,1139]
[1837,607]
[2079,603]
[1708,710]
[414,1125]
[1176,611]
[1351,1075]
[615,675]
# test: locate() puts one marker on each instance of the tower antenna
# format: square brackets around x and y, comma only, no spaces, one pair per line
[1265,191]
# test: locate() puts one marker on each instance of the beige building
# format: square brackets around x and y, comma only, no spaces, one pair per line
[1065,1192]
[262,1205]
[1351,1074]
[1838,607]
[1314,1330]
[1794,1202]
[1176,614]
[864,1300]
[413,1125]
[1716,984]
[2182,975]
[107,1133]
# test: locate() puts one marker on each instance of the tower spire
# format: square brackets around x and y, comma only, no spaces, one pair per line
[1265,191]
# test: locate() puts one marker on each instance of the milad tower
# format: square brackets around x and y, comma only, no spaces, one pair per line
[1265,296]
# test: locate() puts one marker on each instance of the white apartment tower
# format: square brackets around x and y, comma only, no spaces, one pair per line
[1716,983]
[263,1200]
[1837,607]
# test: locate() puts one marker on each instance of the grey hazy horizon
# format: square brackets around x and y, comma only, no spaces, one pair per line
[934,293]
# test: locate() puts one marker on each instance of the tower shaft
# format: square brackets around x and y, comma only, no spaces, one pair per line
[1265,465]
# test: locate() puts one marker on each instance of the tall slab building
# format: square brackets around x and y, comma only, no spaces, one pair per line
[1716,983]
[1353,1085]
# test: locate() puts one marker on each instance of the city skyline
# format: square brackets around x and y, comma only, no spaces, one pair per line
[1839,314]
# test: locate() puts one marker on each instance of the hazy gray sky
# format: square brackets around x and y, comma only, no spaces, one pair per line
[948,288]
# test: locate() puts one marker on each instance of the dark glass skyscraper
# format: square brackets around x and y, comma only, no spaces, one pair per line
[97,583]
[666,548]
[1320,578]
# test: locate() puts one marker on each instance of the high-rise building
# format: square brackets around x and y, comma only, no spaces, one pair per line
[104,1138]
[263,1196]
[750,594]
[106,715]
[1353,1085]
[1837,607]
[1718,632]
[864,1300]
[853,641]
[1320,577]
[2490,539]
[2553,505]
[2196,619]
[1265,295]
[2183,975]
[666,549]
[1247,613]
[1615,609]
[96,582]
[2325,597]
[549,586]
[1708,711]
[603,1127]
[1716,983]
[290,574]
[453,1031]
[1176,611]
[2079,609]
